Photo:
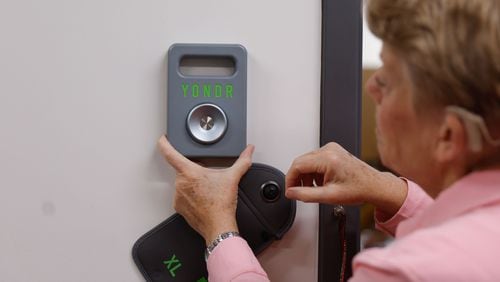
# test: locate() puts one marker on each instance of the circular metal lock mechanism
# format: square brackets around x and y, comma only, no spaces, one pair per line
[270,191]
[206,123]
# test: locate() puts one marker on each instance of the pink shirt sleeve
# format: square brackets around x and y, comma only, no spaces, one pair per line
[385,264]
[233,260]
[416,200]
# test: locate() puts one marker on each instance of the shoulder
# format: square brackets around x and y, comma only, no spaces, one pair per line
[461,249]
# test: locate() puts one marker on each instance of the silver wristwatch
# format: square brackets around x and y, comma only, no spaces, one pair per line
[221,237]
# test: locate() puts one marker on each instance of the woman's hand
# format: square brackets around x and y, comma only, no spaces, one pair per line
[205,197]
[331,175]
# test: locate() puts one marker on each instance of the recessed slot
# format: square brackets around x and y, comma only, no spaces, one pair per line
[207,66]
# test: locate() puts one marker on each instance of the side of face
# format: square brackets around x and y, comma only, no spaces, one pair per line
[405,138]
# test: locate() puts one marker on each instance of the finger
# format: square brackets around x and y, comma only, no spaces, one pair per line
[307,164]
[307,179]
[309,194]
[292,182]
[318,179]
[173,157]
[244,161]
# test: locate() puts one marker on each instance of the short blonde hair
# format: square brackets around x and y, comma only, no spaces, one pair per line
[451,48]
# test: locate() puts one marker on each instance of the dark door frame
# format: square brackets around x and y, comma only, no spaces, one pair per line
[341,65]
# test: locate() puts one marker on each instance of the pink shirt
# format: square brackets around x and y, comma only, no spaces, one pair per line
[233,260]
[455,237]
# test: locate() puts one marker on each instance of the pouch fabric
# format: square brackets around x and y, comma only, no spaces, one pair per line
[173,251]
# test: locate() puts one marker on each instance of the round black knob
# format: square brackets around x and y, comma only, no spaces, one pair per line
[270,191]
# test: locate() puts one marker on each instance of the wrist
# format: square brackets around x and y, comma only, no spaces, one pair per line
[390,194]
[219,228]
[221,237]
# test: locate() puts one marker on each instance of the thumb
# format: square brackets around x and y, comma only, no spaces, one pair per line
[244,161]
[173,157]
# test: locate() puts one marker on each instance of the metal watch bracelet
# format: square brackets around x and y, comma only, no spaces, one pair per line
[221,237]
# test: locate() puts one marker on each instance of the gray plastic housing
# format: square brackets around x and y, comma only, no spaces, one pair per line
[185,92]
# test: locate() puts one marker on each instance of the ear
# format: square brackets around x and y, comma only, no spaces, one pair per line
[452,140]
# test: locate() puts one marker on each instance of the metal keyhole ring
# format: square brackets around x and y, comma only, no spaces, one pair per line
[206,123]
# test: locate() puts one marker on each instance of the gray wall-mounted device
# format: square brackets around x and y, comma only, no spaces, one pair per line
[207,99]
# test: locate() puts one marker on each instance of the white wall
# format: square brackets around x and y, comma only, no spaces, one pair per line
[83,101]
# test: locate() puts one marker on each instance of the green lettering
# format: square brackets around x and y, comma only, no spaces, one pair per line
[185,87]
[229,91]
[207,89]
[218,90]
[172,265]
[195,90]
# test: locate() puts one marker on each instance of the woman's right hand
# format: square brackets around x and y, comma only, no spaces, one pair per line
[331,175]
[206,197]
